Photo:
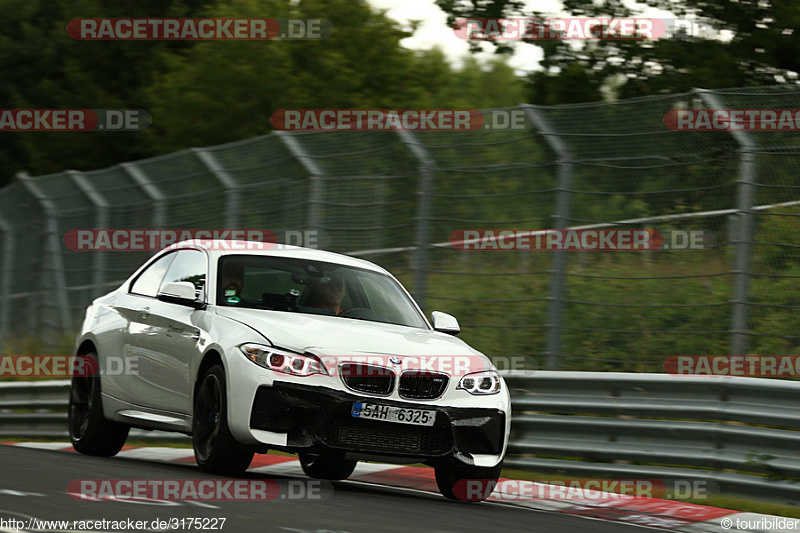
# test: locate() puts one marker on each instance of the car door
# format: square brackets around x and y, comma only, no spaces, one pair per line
[134,307]
[169,342]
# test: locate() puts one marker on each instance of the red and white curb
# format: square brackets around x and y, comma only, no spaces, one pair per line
[652,512]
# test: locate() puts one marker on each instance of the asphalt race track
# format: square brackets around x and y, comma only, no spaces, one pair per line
[33,484]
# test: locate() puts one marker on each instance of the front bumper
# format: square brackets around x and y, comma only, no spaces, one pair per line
[311,416]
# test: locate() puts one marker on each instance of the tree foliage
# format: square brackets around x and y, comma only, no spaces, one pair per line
[42,67]
[210,92]
[745,42]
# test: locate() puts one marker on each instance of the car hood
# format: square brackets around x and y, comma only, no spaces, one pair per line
[330,335]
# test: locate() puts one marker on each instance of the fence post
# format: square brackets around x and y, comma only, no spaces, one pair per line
[423,215]
[52,249]
[228,183]
[5,284]
[100,221]
[560,221]
[316,178]
[149,188]
[748,147]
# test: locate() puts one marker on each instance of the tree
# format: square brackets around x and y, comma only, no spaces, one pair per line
[42,67]
[218,92]
[202,93]
[223,91]
[752,42]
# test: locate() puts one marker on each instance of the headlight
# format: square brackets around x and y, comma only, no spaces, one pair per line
[486,382]
[282,361]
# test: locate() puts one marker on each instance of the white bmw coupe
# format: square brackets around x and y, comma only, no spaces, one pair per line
[293,349]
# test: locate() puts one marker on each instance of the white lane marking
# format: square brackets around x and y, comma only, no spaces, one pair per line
[373,468]
[293,468]
[155,454]
[44,445]
[285,468]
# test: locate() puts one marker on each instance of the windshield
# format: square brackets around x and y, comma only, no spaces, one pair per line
[313,287]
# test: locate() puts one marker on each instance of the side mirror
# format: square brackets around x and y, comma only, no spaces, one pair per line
[445,323]
[181,293]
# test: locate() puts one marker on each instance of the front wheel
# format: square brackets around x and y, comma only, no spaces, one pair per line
[89,431]
[457,481]
[215,449]
[326,464]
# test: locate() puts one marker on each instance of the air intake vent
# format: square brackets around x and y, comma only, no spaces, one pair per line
[366,378]
[382,437]
[415,385]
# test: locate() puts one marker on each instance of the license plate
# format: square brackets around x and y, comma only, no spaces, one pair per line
[401,415]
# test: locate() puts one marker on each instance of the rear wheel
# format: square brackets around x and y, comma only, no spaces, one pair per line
[457,481]
[215,449]
[327,464]
[89,431]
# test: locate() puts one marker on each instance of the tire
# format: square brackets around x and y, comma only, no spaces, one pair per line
[326,464]
[452,478]
[215,449]
[89,431]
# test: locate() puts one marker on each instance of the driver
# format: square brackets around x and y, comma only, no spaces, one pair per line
[232,282]
[327,294]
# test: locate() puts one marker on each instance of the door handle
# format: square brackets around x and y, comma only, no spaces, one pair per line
[144,312]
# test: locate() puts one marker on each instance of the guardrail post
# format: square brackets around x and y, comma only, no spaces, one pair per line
[5,282]
[560,222]
[316,177]
[748,148]
[150,189]
[100,222]
[427,164]
[52,249]
[228,182]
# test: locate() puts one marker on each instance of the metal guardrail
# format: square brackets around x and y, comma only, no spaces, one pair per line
[38,410]
[741,435]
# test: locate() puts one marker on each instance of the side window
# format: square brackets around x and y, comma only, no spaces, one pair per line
[189,265]
[149,281]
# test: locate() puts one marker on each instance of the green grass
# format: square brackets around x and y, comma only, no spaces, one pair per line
[624,312]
